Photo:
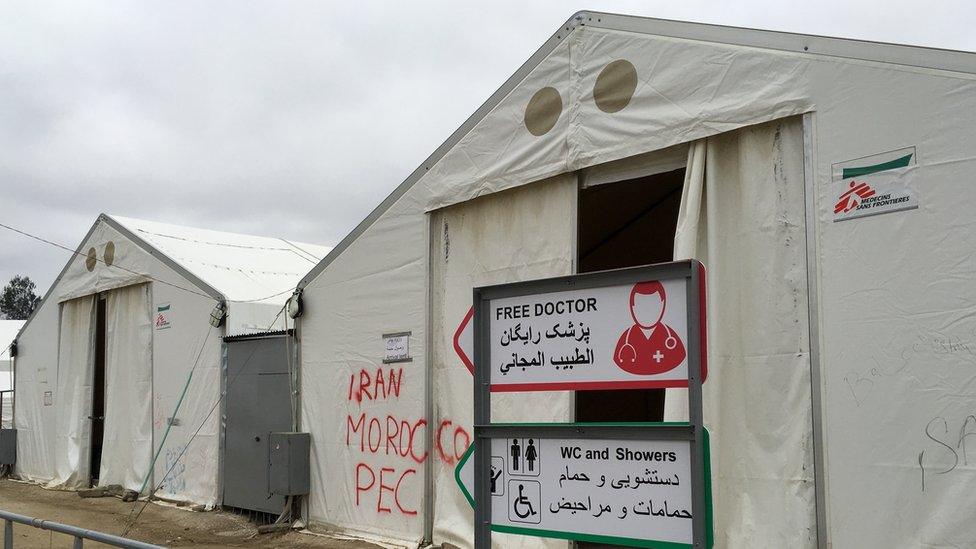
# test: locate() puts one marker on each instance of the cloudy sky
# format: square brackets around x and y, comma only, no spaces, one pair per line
[290,119]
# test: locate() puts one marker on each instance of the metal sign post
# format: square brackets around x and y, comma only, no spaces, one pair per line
[606,330]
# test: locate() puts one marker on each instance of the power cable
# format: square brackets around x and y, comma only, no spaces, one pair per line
[186,446]
[179,403]
[76,252]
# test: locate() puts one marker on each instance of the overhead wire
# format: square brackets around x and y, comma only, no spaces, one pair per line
[76,252]
[176,410]
[130,271]
[186,446]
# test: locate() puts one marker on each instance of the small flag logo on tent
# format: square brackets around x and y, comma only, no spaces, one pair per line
[161,321]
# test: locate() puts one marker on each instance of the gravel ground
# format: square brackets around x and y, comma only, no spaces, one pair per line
[159,524]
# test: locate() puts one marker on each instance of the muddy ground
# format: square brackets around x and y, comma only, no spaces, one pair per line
[158,524]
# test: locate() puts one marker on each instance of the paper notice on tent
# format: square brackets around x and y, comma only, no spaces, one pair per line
[877,184]
[626,335]
[630,492]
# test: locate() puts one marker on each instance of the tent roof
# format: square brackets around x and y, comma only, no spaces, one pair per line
[231,266]
[915,56]
[8,332]
[239,267]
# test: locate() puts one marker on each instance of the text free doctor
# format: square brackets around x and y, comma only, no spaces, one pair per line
[546,309]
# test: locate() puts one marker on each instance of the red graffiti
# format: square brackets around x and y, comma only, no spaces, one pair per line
[376,387]
[456,449]
[384,487]
[393,436]
[399,437]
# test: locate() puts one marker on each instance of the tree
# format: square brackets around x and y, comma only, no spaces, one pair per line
[18,298]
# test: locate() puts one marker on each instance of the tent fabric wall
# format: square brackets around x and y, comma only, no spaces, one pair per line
[377,286]
[522,234]
[897,304]
[72,437]
[127,442]
[742,215]
[189,344]
[8,332]
[36,365]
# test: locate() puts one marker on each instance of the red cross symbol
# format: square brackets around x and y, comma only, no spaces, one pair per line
[658,356]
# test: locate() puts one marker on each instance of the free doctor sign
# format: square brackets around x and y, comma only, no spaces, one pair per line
[625,336]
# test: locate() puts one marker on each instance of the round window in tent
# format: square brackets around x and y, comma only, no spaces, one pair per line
[109,255]
[615,86]
[91,259]
[543,111]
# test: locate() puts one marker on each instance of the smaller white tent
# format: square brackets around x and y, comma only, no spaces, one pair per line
[8,331]
[119,366]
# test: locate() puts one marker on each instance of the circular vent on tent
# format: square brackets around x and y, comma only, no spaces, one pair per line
[109,254]
[91,259]
[542,111]
[615,86]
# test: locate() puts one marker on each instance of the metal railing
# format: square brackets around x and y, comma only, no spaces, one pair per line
[80,534]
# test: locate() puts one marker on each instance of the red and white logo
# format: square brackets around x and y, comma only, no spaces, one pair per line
[852,198]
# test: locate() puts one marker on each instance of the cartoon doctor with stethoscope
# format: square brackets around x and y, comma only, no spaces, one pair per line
[649,346]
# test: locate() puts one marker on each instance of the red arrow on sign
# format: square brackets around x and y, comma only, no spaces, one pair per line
[464,341]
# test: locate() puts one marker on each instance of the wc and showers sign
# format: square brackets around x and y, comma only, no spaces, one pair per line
[636,484]
[602,490]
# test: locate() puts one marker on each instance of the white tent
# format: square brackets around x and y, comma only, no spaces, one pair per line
[137,299]
[8,331]
[841,342]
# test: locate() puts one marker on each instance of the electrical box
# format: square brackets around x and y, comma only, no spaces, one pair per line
[288,463]
[8,446]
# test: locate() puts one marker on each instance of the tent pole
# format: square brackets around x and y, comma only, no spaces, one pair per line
[813,311]
[429,391]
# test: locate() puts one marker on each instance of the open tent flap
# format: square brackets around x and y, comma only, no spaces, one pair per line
[73,397]
[634,167]
[742,215]
[523,234]
[127,446]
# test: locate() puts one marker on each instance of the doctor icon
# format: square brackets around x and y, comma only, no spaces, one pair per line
[649,346]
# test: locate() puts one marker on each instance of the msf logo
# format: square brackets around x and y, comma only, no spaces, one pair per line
[853,197]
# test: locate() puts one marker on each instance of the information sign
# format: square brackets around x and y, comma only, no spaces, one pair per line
[626,492]
[633,484]
[630,335]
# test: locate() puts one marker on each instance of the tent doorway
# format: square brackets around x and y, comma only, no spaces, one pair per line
[98,394]
[626,224]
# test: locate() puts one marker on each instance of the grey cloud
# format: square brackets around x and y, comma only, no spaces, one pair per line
[287,118]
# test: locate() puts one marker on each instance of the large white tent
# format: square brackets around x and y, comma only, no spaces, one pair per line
[8,331]
[137,297]
[840,350]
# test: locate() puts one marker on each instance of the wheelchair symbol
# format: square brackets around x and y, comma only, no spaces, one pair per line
[525,498]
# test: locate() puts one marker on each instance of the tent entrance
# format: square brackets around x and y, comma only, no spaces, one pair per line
[98,394]
[626,224]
